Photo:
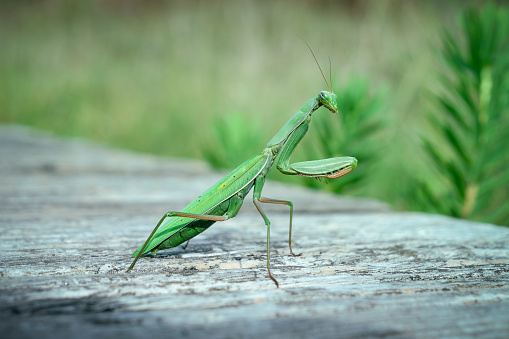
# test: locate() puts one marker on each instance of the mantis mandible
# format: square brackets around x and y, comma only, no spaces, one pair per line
[224,199]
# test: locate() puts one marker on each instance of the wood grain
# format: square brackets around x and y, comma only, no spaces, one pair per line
[72,213]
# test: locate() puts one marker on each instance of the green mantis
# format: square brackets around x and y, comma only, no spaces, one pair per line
[224,199]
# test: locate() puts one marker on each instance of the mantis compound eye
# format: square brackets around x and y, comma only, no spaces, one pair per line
[324,95]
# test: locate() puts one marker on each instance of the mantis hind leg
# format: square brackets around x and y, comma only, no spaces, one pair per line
[175,214]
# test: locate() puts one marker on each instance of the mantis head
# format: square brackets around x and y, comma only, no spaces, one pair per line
[329,100]
[325,98]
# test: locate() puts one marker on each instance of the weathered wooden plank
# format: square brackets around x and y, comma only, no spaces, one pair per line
[72,213]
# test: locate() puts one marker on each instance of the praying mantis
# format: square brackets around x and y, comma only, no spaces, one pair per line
[224,199]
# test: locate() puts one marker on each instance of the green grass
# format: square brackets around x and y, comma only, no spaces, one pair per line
[156,76]
[151,78]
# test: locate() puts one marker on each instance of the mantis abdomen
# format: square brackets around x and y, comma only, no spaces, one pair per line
[191,229]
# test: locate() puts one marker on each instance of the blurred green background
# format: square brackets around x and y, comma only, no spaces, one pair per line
[423,87]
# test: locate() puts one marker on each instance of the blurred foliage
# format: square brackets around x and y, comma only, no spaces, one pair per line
[471,122]
[235,139]
[152,76]
[163,76]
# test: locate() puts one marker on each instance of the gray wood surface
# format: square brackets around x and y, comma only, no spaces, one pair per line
[72,213]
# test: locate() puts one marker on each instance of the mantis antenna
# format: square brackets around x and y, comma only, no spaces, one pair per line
[329,87]
[330,75]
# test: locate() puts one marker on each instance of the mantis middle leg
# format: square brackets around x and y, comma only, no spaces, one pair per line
[257,198]
[288,203]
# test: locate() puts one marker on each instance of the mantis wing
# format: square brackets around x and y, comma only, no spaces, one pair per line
[214,201]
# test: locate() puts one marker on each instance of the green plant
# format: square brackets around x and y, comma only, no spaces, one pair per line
[468,149]
[234,139]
